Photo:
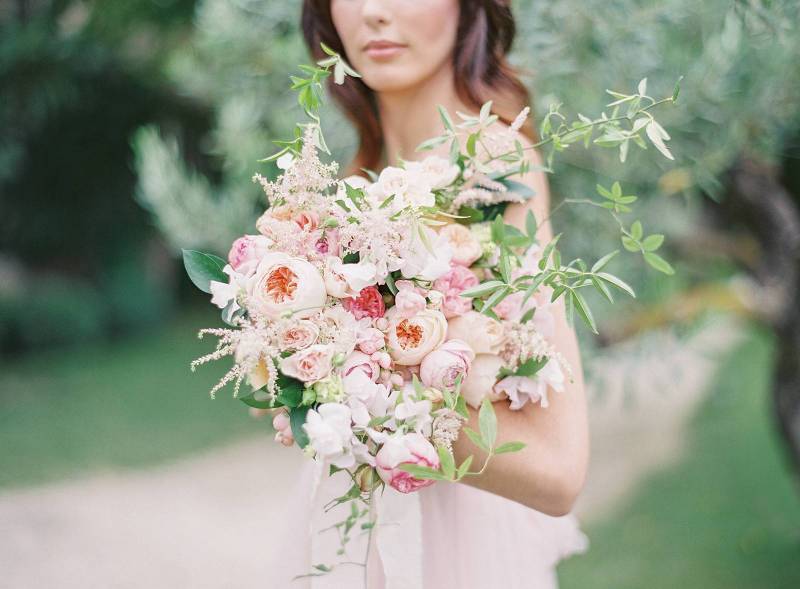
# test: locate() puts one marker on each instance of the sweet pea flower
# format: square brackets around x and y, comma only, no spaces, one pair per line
[226,294]
[414,413]
[347,280]
[451,285]
[424,262]
[410,339]
[466,247]
[409,300]
[411,448]
[521,389]
[309,364]
[330,434]
[286,284]
[441,367]
[369,340]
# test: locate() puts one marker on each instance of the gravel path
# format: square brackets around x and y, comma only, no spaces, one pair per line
[194,523]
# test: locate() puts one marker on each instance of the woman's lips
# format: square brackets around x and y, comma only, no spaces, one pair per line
[383,51]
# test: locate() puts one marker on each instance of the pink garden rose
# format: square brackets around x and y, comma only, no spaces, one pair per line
[411,448]
[310,364]
[440,368]
[451,285]
[409,299]
[368,303]
[247,251]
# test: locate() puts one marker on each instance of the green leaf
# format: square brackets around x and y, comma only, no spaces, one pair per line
[658,263]
[530,224]
[422,472]
[390,283]
[464,468]
[519,188]
[445,116]
[583,309]
[203,268]
[461,407]
[476,439]
[652,242]
[483,289]
[471,144]
[251,401]
[509,447]
[297,417]
[291,391]
[619,283]
[636,230]
[487,421]
[602,262]
[677,90]
[447,463]
[530,366]
[629,244]
[496,297]
[603,289]
[547,250]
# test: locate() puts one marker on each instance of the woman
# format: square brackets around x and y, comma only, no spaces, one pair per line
[413,55]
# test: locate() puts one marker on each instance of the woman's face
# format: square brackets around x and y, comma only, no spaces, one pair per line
[396,44]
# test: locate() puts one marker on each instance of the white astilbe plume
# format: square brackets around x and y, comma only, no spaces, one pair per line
[303,183]
[446,427]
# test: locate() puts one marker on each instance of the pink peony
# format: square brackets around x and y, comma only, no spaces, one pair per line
[451,285]
[440,368]
[411,448]
[368,303]
[360,362]
[310,364]
[409,299]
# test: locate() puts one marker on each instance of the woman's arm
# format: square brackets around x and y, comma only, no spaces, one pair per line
[549,473]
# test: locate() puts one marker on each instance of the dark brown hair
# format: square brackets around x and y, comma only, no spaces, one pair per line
[486,31]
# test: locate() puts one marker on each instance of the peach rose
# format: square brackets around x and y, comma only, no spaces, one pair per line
[298,336]
[410,339]
[441,368]
[283,283]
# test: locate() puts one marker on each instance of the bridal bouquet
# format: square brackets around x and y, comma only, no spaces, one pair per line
[369,312]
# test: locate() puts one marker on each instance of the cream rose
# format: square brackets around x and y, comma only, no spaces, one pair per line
[481,379]
[480,332]
[345,281]
[283,283]
[466,247]
[439,170]
[410,339]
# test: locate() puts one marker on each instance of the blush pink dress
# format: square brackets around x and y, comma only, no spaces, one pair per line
[445,536]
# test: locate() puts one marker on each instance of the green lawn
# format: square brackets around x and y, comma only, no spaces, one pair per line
[726,517]
[124,404]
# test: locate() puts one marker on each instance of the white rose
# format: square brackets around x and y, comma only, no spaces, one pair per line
[480,332]
[440,171]
[409,340]
[481,380]
[284,283]
[408,188]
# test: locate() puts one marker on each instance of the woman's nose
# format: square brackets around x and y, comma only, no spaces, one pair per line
[376,12]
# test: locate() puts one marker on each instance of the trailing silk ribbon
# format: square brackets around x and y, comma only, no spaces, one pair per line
[396,547]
